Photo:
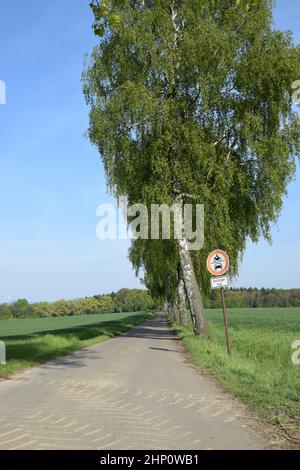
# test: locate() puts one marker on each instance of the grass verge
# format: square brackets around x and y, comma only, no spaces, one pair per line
[30,342]
[260,371]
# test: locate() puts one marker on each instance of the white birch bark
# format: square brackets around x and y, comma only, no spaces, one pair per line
[181,301]
[192,290]
[190,281]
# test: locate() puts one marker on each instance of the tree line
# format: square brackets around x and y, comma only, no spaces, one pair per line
[133,300]
[125,300]
[255,298]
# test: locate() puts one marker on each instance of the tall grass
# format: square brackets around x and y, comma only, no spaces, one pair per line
[260,371]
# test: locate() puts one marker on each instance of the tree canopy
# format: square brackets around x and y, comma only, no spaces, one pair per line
[195,97]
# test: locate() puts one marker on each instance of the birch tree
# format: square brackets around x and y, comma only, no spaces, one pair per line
[191,101]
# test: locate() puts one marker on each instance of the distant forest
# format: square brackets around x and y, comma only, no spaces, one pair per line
[125,300]
[133,300]
[254,298]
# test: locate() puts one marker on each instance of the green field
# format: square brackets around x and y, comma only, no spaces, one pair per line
[260,371]
[36,340]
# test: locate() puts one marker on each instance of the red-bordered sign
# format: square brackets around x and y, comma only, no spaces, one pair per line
[218,262]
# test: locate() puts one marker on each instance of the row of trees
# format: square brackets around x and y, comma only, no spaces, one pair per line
[254,298]
[125,300]
[191,103]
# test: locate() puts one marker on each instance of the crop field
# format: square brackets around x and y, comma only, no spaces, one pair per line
[260,371]
[33,341]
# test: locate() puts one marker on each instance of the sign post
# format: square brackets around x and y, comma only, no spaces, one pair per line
[218,265]
[225,322]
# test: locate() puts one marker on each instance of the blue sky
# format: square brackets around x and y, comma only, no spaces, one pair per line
[52,180]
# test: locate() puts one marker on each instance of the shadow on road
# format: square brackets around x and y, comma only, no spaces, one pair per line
[43,346]
[165,349]
[154,329]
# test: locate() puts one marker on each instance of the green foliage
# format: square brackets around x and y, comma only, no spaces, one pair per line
[107,12]
[196,95]
[21,309]
[157,261]
[5,311]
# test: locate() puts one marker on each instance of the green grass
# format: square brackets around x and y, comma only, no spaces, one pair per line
[260,371]
[30,342]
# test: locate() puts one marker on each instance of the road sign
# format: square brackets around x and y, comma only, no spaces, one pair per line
[2,353]
[218,263]
[219,282]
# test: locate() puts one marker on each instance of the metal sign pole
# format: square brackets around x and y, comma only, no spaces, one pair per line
[218,264]
[225,322]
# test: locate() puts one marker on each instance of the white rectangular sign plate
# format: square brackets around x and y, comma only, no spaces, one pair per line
[219,282]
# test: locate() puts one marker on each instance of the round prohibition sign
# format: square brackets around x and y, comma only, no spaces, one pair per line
[218,262]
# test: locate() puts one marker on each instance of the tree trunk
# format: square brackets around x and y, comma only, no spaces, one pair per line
[171,310]
[181,299]
[189,277]
[168,310]
[174,313]
[190,282]
[192,290]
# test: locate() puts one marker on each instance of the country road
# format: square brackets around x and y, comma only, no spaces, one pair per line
[136,391]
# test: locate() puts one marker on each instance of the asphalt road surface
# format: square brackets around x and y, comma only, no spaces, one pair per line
[136,391]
